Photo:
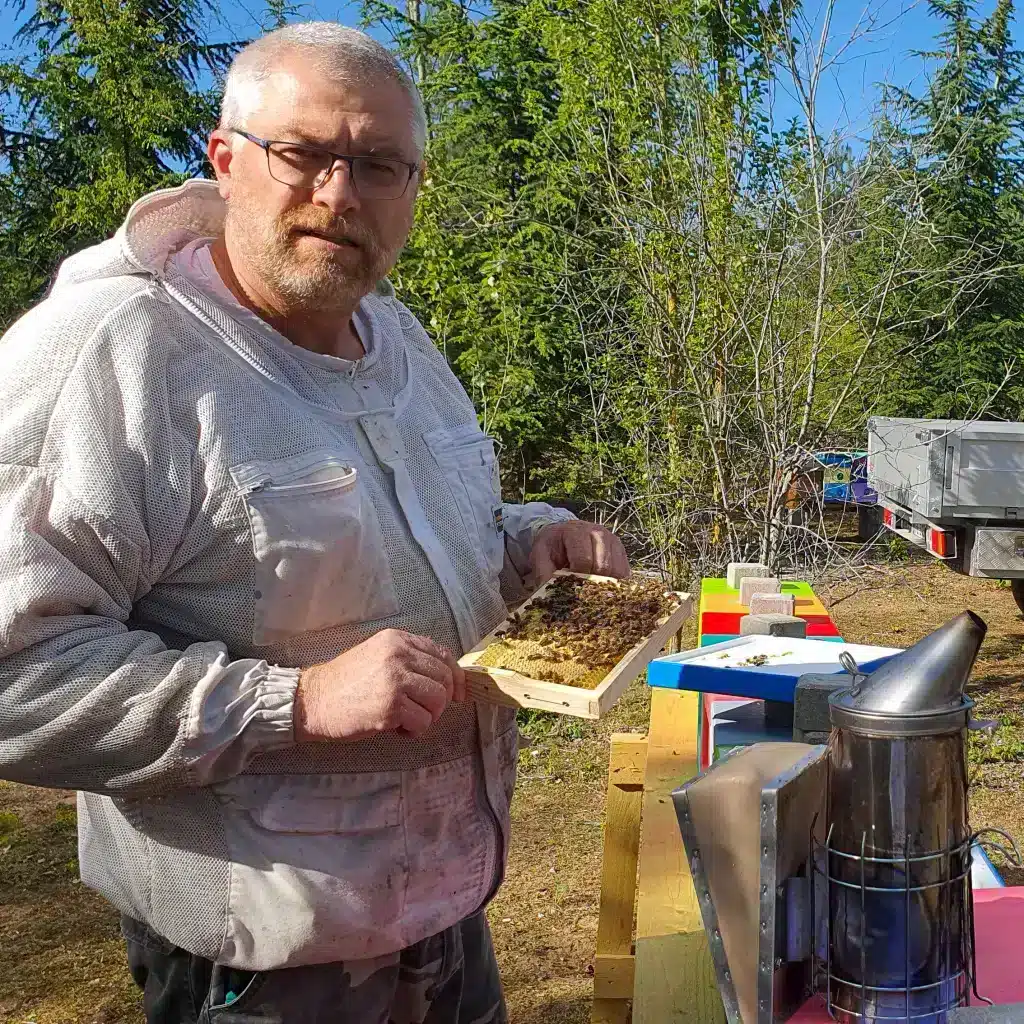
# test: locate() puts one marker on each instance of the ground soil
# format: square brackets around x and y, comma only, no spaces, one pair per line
[60,956]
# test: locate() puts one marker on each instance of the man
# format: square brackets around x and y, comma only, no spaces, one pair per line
[248,524]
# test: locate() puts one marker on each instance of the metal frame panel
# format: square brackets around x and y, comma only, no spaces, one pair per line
[723,974]
[785,836]
[789,803]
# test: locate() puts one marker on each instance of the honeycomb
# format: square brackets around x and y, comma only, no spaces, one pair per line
[577,630]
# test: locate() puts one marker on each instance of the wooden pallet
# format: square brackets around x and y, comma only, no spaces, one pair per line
[513,689]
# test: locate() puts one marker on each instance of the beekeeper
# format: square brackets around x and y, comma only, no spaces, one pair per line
[249,521]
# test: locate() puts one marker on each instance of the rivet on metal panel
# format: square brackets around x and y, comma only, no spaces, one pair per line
[764,890]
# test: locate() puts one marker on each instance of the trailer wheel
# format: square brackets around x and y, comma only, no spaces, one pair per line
[869,522]
[1017,586]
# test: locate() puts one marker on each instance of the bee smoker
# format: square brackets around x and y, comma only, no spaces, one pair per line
[845,868]
[897,851]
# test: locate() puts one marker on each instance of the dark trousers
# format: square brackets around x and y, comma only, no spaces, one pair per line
[450,978]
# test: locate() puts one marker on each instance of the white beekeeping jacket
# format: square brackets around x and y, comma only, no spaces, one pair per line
[192,508]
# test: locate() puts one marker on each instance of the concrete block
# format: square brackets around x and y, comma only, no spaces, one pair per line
[773,625]
[738,570]
[811,722]
[777,604]
[1006,1013]
[750,585]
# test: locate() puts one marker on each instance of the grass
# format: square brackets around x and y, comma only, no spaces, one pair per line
[61,960]
[1002,745]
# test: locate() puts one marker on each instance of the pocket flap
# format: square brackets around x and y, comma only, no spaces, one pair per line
[317,803]
[468,438]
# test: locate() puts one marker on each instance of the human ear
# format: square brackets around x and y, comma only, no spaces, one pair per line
[220,153]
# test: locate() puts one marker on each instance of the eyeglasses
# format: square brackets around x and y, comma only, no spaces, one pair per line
[299,166]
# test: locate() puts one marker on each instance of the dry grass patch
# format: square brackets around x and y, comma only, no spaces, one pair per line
[61,956]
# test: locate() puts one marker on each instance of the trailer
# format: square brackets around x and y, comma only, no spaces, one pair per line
[956,489]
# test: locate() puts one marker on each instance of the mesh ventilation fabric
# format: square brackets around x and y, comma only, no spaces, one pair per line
[124,414]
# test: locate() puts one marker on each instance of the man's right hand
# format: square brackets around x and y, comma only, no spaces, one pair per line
[395,681]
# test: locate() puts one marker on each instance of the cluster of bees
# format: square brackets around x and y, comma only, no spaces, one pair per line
[589,622]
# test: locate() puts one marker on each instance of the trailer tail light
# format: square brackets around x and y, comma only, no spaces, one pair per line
[942,543]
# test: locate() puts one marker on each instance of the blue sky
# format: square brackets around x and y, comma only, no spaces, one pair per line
[868,42]
[864,49]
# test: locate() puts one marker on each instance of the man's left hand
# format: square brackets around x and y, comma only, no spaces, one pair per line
[579,547]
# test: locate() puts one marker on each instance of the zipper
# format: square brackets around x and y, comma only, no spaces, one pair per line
[265,483]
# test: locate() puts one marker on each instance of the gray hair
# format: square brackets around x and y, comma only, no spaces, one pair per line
[345,54]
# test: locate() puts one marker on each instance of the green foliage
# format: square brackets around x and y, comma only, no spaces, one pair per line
[969,122]
[541,726]
[661,303]
[896,549]
[66,816]
[1004,745]
[105,107]
[660,300]
[10,824]
[486,266]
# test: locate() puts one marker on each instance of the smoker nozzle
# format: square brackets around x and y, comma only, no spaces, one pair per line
[921,683]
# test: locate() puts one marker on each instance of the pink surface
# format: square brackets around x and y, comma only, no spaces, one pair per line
[999,933]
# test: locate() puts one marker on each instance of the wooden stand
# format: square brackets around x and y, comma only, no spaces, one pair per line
[614,961]
[667,973]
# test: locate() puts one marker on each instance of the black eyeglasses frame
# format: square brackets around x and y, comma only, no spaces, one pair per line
[345,158]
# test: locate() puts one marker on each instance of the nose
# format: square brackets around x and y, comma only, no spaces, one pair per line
[338,192]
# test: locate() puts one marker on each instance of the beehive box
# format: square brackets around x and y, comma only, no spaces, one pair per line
[499,668]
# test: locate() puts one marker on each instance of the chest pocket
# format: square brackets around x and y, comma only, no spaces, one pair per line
[466,457]
[320,558]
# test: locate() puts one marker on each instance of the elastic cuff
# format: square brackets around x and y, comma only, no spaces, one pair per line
[273,716]
[520,542]
[247,708]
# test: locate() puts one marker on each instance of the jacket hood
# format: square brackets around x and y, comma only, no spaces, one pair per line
[157,226]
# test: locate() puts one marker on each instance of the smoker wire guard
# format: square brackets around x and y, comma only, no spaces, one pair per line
[798,980]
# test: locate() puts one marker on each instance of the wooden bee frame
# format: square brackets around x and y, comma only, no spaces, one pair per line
[512,689]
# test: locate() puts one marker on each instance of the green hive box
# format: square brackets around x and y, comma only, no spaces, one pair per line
[714,585]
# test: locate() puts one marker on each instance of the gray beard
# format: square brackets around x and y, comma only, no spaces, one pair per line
[316,283]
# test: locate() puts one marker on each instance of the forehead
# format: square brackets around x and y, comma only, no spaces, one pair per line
[301,104]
